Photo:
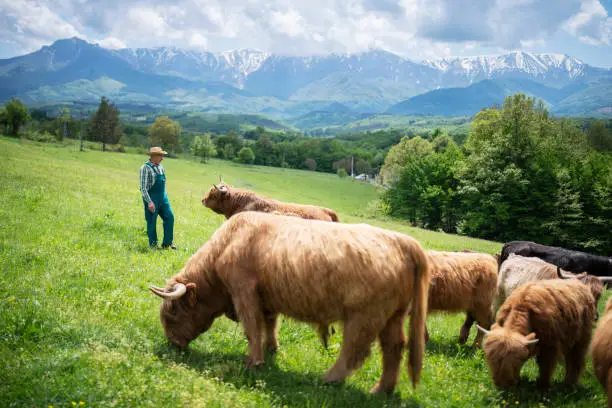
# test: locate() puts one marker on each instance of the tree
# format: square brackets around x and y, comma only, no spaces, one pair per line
[341,172]
[105,126]
[203,147]
[4,123]
[16,115]
[399,155]
[600,136]
[165,132]
[310,164]
[246,155]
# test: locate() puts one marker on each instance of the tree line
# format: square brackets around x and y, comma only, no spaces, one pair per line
[521,175]
[518,174]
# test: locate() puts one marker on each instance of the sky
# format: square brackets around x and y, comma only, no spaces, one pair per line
[415,29]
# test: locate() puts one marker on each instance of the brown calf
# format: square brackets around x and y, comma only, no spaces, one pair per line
[463,281]
[557,315]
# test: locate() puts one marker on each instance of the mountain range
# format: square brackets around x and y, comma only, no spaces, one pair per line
[283,87]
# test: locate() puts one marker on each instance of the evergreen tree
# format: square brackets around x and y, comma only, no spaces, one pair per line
[105,126]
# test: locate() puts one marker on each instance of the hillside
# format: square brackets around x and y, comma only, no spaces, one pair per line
[79,324]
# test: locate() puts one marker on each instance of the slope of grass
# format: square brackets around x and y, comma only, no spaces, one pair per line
[78,325]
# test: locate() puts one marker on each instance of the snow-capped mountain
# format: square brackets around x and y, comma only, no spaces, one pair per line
[553,69]
[232,66]
[370,81]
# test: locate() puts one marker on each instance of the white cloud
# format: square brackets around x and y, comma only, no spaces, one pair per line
[592,24]
[414,28]
[30,24]
[112,43]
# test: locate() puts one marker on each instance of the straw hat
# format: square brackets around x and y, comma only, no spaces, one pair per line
[156,150]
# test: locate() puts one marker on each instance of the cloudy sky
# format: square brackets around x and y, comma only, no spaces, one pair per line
[417,29]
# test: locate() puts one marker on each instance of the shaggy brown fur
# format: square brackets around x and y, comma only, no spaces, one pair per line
[463,281]
[601,352]
[518,270]
[228,201]
[312,271]
[559,313]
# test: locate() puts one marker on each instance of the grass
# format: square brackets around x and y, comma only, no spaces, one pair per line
[78,325]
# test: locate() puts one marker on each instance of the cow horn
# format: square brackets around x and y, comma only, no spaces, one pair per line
[482,329]
[563,275]
[605,278]
[220,179]
[178,290]
[215,186]
[534,341]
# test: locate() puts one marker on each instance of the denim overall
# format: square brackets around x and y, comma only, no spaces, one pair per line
[158,195]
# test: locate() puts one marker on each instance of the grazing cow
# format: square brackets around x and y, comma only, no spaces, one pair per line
[572,261]
[518,270]
[557,315]
[463,281]
[228,201]
[601,351]
[258,265]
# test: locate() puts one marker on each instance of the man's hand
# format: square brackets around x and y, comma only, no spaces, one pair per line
[151,207]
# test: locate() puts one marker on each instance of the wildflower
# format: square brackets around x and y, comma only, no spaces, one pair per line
[516,402]
[458,398]
[73,404]
[81,403]
[11,299]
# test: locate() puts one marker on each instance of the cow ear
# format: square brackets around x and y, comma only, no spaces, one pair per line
[191,294]
[581,275]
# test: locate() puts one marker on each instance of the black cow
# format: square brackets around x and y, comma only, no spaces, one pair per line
[572,261]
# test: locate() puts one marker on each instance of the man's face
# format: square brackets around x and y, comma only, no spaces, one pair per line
[157,158]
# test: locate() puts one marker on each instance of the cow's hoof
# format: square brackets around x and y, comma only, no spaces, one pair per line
[253,364]
[333,378]
[378,388]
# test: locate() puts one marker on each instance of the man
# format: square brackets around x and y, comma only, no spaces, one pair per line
[155,199]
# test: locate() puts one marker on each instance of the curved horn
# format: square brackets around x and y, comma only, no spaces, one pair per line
[220,179]
[534,341]
[178,290]
[482,329]
[563,275]
[605,278]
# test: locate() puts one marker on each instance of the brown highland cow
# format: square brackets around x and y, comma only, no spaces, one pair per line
[463,281]
[257,266]
[601,351]
[543,319]
[228,201]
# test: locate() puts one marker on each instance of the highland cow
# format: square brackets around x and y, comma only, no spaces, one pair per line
[228,201]
[542,319]
[518,270]
[257,266]
[601,352]
[463,281]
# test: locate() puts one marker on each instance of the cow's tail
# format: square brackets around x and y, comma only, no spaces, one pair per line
[332,214]
[608,386]
[418,314]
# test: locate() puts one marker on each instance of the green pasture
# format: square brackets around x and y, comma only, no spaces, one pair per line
[79,327]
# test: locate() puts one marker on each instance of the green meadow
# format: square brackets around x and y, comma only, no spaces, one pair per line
[78,326]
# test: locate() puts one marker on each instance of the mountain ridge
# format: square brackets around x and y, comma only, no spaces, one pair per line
[252,81]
